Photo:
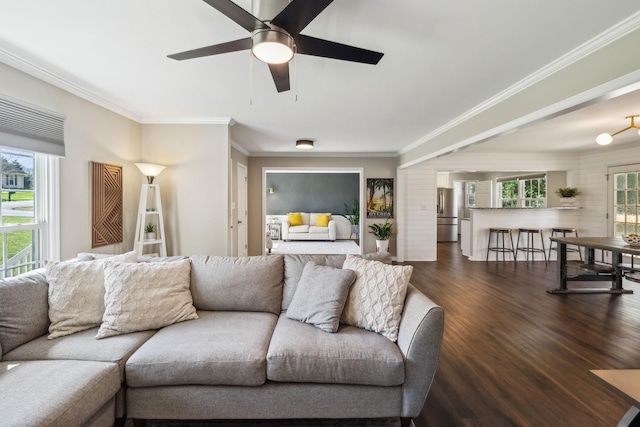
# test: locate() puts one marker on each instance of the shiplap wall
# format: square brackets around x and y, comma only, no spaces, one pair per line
[419,243]
[592,182]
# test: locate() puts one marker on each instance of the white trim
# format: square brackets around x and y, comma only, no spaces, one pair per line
[272,169]
[47,176]
[240,148]
[19,61]
[322,154]
[598,42]
[612,89]
[188,120]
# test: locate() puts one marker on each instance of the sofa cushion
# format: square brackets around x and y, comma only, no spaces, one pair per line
[321,295]
[144,296]
[314,229]
[294,218]
[321,220]
[23,309]
[55,392]
[82,346]
[76,294]
[294,265]
[218,348]
[237,283]
[299,229]
[302,353]
[376,298]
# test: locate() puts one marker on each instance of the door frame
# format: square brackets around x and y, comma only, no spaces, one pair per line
[265,170]
[242,187]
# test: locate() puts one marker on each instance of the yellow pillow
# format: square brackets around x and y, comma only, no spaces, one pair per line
[322,220]
[294,219]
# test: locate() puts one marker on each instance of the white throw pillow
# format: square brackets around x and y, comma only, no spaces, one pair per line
[145,296]
[76,294]
[376,298]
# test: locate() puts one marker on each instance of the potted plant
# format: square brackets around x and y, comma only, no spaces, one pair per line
[568,195]
[353,216]
[382,233]
[150,232]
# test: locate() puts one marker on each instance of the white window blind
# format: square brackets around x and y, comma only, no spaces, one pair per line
[32,128]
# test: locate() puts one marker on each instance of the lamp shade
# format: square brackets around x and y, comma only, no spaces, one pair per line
[150,170]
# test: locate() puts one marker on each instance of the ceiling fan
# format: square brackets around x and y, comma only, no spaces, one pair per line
[275,40]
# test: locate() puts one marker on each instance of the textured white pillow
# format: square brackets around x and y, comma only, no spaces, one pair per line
[376,298]
[145,296]
[76,294]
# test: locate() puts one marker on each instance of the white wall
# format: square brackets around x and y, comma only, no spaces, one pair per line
[591,180]
[92,133]
[195,185]
[419,237]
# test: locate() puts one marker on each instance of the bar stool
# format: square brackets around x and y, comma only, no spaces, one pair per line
[499,247]
[530,248]
[564,231]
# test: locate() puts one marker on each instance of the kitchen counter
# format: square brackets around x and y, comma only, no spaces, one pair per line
[484,218]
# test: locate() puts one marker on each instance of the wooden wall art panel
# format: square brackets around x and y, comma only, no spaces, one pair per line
[106,204]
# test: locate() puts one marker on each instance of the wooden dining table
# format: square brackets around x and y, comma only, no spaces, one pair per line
[591,270]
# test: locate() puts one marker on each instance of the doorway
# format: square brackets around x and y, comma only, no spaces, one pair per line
[312,190]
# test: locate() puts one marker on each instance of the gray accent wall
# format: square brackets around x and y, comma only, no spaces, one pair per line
[311,192]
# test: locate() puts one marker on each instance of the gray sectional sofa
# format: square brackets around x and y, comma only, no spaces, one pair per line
[241,358]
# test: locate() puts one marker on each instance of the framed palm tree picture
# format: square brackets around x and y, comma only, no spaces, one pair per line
[379,197]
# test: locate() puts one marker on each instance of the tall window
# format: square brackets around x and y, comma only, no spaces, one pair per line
[20,233]
[470,194]
[523,192]
[625,203]
[534,192]
[508,191]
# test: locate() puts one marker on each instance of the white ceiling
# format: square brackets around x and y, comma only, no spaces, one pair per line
[441,60]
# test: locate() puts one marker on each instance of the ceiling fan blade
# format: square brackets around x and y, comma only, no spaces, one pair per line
[327,49]
[237,14]
[298,14]
[280,74]
[216,49]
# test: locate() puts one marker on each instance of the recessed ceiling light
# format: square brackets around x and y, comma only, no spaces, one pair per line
[304,144]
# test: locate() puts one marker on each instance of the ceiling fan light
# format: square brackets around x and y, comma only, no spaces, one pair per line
[604,139]
[304,144]
[272,46]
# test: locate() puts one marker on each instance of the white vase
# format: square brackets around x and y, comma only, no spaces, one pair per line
[382,245]
[568,201]
[150,236]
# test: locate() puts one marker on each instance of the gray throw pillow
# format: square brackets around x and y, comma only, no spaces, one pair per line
[321,296]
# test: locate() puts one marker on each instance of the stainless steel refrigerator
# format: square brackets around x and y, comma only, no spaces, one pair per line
[447,216]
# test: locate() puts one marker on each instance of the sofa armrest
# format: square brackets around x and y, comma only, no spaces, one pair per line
[419,339]
[332,229]
[285,230]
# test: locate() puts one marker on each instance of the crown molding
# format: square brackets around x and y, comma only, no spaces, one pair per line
[603,39]
[240,148]
[20,62]
[609,90]
[323,154]
[188,121]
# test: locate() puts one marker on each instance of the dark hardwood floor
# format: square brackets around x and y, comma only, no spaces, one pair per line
[514,355]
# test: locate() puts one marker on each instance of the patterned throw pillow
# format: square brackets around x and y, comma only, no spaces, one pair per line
[76,294]
[145,296]
[376,299]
